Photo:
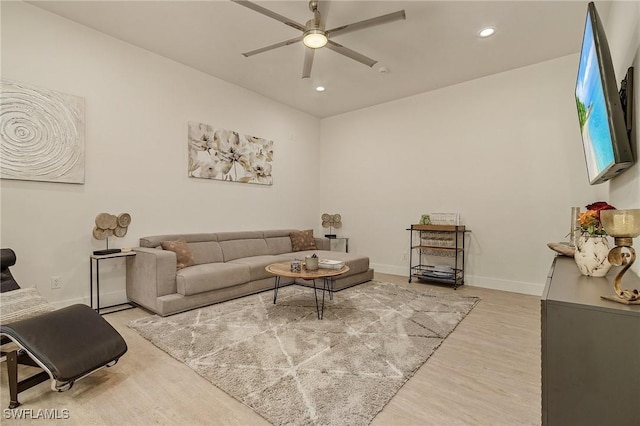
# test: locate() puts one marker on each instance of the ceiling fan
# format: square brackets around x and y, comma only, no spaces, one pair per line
[314,36]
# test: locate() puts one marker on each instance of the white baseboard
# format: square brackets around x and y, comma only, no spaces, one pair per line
[391,269]
[106,299]
[534,289]
[116,297]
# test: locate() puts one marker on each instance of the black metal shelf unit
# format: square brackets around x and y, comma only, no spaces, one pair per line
[429,242]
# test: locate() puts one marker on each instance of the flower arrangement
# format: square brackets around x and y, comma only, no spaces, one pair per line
[589,222]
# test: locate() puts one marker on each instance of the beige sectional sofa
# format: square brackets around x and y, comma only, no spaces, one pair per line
[227,265]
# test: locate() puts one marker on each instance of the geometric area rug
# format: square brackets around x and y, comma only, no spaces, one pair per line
[294,369]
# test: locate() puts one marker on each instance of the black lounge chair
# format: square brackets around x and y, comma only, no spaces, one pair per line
[68,343]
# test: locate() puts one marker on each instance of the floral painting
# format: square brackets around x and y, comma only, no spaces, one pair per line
[227,155]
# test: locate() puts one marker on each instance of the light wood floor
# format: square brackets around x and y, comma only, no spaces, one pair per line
[487,372]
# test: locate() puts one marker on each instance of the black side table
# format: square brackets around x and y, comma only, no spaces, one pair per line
[96,259]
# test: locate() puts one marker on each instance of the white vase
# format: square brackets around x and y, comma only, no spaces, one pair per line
[591,255]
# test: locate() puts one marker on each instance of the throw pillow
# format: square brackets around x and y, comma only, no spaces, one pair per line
[302,240]
[182,251]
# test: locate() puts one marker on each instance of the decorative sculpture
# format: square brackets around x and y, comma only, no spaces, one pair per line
[624,226]
[108,225]
[331,221]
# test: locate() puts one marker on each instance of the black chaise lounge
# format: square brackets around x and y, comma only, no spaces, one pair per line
[68,343]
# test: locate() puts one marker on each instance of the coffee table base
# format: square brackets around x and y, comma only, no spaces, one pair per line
[326,285]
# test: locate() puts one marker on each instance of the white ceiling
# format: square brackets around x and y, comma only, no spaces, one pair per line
[436,46]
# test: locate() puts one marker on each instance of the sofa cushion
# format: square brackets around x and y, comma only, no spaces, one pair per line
[277,233]
[302,240]
[257,265]
[236,249]
[279,245]
[239,235]
[206,252]
[211,276]
[183,253]
[154,241]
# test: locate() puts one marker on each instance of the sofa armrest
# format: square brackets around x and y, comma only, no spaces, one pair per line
[151,273]
[323,243]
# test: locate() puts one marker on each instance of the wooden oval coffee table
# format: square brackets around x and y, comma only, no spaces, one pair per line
[283,269]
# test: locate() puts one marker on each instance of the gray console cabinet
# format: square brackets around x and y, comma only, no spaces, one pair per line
[590,350]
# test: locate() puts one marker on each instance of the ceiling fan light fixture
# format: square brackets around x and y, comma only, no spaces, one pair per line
[314,38]
[487,32]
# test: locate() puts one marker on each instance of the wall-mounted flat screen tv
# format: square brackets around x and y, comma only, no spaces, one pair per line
[605,136]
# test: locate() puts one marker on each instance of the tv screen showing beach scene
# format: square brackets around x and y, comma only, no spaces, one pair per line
[592,109]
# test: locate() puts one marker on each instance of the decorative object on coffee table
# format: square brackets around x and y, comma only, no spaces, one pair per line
[624,226]
[295,266]
[108,225]
[331,221]
[311,262]
[592,246]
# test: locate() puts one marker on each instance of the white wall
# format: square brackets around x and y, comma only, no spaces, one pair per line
[623,34]
[137,108]
[504,151]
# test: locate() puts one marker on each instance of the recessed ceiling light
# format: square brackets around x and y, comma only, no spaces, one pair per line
[320,89]
[487,32]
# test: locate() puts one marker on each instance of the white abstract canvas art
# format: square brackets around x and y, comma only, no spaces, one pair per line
[227,155]
[41,134]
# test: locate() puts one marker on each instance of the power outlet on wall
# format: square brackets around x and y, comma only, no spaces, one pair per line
[56,283]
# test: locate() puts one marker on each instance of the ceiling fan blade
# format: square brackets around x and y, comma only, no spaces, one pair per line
[270,14]
[338,48]
[356,26]
[273,46]
[308,62]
